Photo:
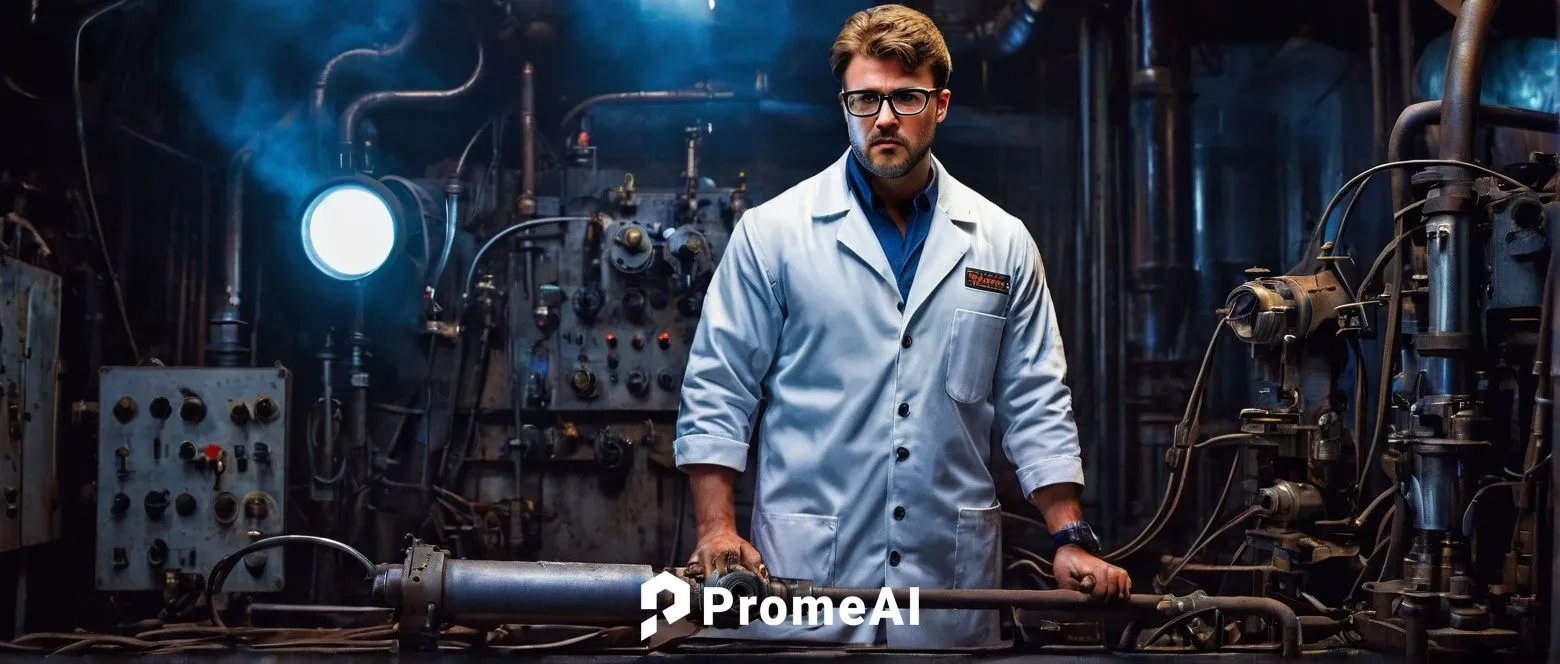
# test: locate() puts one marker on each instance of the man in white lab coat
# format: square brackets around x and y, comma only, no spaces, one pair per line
[900,324]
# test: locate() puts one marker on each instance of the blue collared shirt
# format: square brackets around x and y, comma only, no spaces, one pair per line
[902,250]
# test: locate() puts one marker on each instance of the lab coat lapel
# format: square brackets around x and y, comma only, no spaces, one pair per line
[833,199]
[946,243]
[856,236]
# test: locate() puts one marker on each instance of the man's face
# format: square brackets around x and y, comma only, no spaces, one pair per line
[889,145]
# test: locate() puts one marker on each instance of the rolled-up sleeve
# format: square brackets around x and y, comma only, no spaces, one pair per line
[732,351]
[1033,405]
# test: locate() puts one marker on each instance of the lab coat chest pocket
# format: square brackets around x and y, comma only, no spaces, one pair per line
[974,342]
[797,546]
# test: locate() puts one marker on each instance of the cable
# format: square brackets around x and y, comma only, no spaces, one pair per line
[1198,547]
[476,261]
[223,567]
[1177,481]
[1467,517]
[1359,180]
[1358,426]
[86,173]
[1198,542]
[1389,335]
[314,425]
[460,164]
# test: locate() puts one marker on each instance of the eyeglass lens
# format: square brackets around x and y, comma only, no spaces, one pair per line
[904,102]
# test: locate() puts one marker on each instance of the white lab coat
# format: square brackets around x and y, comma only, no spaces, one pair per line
[878,403]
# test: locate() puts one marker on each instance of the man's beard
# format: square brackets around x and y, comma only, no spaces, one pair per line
[885,170]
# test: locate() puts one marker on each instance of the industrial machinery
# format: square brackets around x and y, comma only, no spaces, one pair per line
[1390,521]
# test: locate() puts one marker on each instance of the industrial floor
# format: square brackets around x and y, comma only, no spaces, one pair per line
[817,656]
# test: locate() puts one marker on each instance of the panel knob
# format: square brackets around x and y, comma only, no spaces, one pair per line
[121,504]
[184,504]
[193,410]
[156,503]
[157,554]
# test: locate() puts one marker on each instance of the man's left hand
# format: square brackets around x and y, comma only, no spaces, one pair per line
[1072,565]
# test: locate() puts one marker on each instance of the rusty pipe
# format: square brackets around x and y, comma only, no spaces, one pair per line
[362,106]
[528,139]
[1464,76]
[1289,635]
[322,82]
[645,97]
[1416,117]
[930,598]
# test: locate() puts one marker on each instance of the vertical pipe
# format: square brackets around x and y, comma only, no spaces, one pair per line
[1447,231]
[254,317]
[528,172]
[528,139]
[1378,84]
[1162,221]
[1087,226]
[1464,76]
[1405,25]
[1101,182]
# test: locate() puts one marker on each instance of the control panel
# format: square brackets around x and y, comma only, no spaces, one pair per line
[608,322]
[29,352]
[191,467]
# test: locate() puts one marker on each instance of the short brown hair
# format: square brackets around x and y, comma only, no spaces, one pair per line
[894,31]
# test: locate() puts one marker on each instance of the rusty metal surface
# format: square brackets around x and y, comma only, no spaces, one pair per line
[29,379]
[213,502]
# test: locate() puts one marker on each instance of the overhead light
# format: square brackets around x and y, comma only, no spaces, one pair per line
[349,227]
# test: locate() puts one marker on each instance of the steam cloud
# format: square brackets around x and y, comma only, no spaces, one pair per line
[242,66]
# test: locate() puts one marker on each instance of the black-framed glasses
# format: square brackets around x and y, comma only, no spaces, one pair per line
[904,101]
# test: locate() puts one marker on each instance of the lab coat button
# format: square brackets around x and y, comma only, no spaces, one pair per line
[900,454]
[899,513]
[901,307]
[905,341]
[893,559]
[904,409]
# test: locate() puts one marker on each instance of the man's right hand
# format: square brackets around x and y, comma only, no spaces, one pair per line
[722,548]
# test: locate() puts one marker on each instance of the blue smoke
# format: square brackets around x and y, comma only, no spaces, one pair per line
[242,66]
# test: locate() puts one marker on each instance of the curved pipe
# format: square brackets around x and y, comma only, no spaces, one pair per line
[322,82]
[347,129]
[1416,117]
[1002,35]
[1464,75]
[645,97]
